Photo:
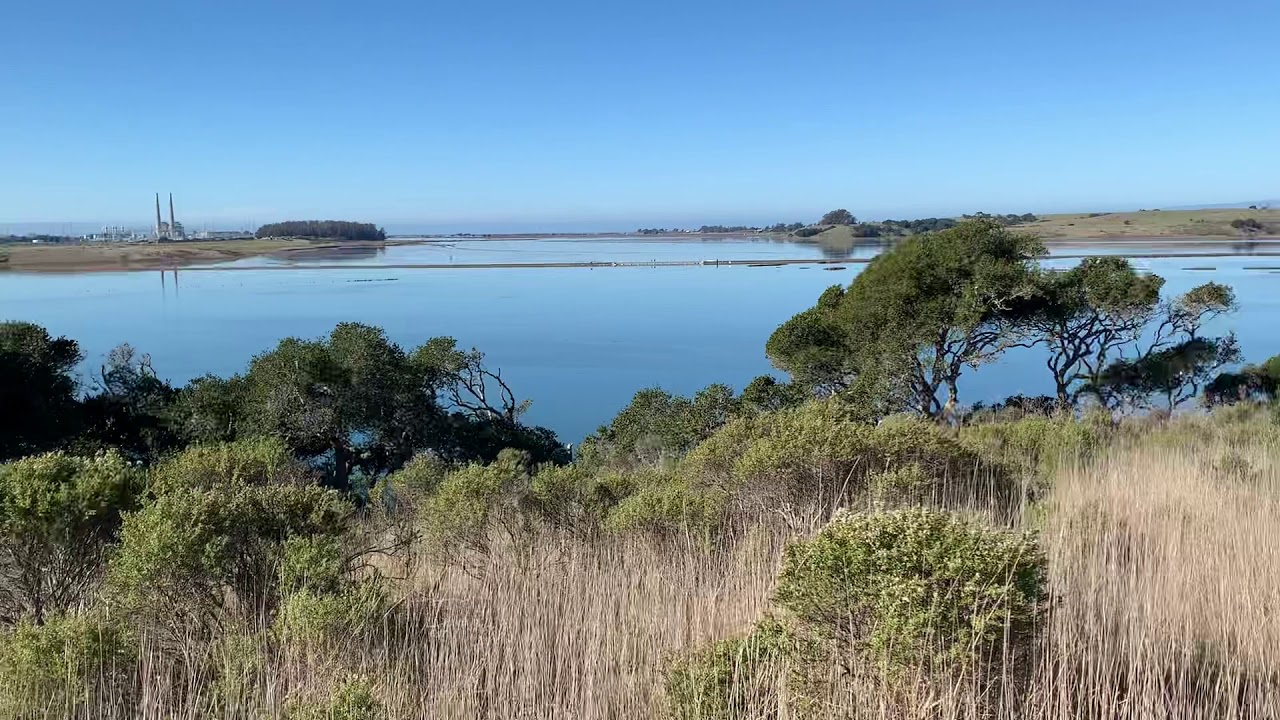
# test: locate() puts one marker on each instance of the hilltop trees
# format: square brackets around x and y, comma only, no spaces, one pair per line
[838,217]
[324,229]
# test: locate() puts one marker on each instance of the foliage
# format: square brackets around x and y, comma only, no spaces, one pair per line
[323,229]
[193,557]
[1258,383]
[207,409]
[1175,374]
[1248,225]
[331,616]
[838,217]
[58,516]
[1085,315]
[733,678]
[352,699]
[821,452]
[670,506]
[766,394]
[37,389]
[915,317]
[252,461]
[1037,445]
[914,586]
[59,666]
[128,411]
[473,499]
[354,399]
[657,426]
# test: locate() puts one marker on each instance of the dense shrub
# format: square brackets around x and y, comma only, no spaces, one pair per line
[254,461]
[1035,446]
[819,454]
[914,586]
[59,668]
[58,516]
[194,556]
[657,427]
[734,678]
[352,699]
[668,506]
[337,615]
[326,229]
[472,500]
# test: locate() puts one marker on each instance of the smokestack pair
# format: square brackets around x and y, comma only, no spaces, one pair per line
[172,224]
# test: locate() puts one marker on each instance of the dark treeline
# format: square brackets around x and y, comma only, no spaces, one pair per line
[354,405]
[8,239]
[325,229]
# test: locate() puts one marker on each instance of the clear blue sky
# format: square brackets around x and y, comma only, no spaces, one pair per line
[610,115]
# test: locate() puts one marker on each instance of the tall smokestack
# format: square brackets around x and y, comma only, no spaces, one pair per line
[158,221]
[172,225]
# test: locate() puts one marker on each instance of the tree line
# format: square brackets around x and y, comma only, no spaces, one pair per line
[354,405]
[323,229]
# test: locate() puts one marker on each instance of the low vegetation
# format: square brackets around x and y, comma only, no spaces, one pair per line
[350,529]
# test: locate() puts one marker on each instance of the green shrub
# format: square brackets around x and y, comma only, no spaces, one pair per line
[820,452]
[58,516]
[573,497]
[734,678]
[196,555]
[669,506]
[68,666]
[315,616]
[237,664]
[411,485]
[1036,446]
[254,461]
[315,563]
[914,585]
[352,699]
[908,484]
[471,500]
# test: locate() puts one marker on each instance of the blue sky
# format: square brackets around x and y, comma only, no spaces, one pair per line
[612,115]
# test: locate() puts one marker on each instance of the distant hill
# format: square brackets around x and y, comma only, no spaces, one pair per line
[1214,222]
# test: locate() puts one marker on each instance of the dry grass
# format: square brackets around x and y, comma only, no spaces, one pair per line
[1214,223]
[1164,566]
[92,257]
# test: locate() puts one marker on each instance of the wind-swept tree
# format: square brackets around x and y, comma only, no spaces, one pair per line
[917,317]
[1176,362]
[1085,316]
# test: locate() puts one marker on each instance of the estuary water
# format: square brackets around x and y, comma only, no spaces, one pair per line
[578,341]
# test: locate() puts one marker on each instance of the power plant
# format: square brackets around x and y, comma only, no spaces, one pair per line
[171,230]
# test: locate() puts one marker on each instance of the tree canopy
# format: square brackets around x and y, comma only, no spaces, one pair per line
[327,229]
[838,217]
[37,389]
[918,315]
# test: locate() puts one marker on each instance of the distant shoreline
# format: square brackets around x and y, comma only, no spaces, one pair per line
[210,256]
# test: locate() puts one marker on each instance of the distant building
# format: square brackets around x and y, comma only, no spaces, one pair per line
[116,233]
[222,235]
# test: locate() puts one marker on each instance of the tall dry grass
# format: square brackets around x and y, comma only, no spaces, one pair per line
[1164,566]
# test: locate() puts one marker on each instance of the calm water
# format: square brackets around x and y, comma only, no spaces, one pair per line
[579,341]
